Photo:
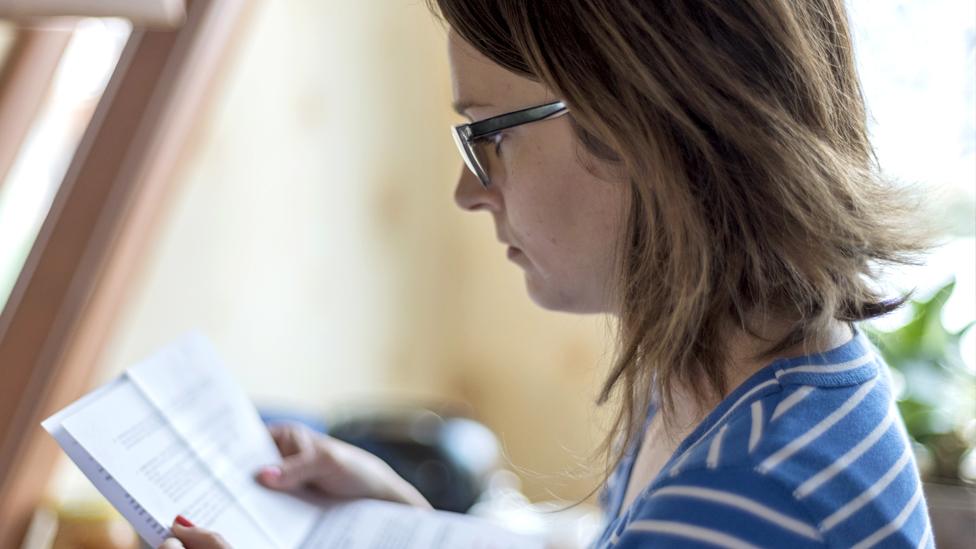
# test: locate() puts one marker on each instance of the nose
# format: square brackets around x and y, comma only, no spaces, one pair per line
[471,195]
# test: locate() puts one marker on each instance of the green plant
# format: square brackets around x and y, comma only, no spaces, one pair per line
[935,392]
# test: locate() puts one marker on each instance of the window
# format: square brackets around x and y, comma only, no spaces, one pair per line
[34,178]
[917,62]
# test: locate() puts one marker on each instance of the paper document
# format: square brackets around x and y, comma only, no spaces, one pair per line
[176,435]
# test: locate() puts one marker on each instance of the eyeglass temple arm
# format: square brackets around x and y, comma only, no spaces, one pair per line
[508,120]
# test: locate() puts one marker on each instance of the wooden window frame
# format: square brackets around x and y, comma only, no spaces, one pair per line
[25,77]
[143,13]
[93,240]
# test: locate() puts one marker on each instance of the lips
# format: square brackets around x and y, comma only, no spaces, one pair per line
[512,251]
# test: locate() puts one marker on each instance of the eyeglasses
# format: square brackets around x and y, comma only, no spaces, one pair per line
[470,138]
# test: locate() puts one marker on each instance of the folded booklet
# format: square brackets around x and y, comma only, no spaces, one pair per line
[176,435]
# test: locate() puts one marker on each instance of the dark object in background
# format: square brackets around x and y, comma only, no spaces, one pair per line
[448,459]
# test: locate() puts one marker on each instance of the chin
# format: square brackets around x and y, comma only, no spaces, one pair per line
[557,299]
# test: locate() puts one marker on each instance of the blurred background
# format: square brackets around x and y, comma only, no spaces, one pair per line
[308,230]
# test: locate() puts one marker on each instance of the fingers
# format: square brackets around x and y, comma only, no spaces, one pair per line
[294,471]
[172,543]
[281,434]
[301,457]
[290,438]
[193,537]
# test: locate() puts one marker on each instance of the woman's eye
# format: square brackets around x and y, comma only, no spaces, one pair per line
[493,141]
[497,141]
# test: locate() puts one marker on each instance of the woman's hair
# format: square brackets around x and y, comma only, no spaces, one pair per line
[740,130]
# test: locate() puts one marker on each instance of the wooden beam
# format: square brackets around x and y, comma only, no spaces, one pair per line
[147,13]
[25,79]
[92,242]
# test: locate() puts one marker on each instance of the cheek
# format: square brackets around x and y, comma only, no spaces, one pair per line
[540,197]
[569,223]
[570,262]
[566,220]
[541,218]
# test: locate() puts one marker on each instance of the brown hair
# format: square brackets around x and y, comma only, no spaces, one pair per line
[741,130]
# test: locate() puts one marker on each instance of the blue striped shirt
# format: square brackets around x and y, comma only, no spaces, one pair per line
[808,452]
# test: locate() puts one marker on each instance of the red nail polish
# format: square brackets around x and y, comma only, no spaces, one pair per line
[183,521]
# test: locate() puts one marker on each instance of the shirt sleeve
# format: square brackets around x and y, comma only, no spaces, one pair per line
[736,508]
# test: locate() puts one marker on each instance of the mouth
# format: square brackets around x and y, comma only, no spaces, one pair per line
[513,252]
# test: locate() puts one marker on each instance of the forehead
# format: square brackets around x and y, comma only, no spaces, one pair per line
[477,79]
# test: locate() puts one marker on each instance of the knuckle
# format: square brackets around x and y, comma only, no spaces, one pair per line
[324,453]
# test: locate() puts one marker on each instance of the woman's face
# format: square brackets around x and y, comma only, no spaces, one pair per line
[560,222]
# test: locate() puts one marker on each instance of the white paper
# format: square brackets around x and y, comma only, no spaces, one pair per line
[135,444]
[212,413]
[176,435]
[372,524]
[146,525]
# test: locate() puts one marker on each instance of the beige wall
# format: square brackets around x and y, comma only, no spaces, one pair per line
[315,241]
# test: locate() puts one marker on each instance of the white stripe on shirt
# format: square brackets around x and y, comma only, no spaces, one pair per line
[715,448]
[828,369]
[924,541]
[677,464]
[852,506]
[895,523]
[791,401]
[836,467]
[798,443]
[692,532]
[743,504]
[755,431]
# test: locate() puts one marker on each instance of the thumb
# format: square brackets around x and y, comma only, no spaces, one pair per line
[197,538]
[293,472]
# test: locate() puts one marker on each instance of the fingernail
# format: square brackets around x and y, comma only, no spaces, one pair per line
[183,521]
[271,473]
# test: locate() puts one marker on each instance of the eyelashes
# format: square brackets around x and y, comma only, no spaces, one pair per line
[495,140]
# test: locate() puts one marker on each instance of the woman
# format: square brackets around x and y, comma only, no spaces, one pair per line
[701,171]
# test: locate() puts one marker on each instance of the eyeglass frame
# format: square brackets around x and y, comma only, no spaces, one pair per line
[466,135]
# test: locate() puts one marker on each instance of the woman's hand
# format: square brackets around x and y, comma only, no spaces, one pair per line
[322,462]
[334,468]
[188,536]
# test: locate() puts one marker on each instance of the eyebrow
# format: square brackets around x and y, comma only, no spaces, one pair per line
[463,105]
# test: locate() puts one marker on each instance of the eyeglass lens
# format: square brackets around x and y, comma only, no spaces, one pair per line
[485,151]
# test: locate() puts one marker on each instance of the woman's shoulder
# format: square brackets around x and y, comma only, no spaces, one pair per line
[743,506]
[814,454]
[726,506]
[794,410]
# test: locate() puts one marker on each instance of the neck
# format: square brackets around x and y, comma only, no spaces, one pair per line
[743,349]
